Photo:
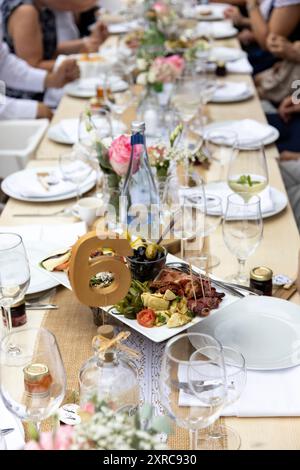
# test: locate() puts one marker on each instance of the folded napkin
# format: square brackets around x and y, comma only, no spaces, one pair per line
[70,128]
[267,393]
[32,186]
[14,440]
[125,27]
[216,29]
[240,66]
[222,190]
[230,90]
[247,130]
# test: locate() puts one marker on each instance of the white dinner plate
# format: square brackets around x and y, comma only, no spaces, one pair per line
[57,134]
[265,330]
[123,28]
[216,126]
[225,54]
[86,87]
[279,199]
[156,334]
[39,281]
[7,184]
[209,12]
[246,95]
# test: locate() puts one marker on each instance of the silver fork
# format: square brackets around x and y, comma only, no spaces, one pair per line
[62,212]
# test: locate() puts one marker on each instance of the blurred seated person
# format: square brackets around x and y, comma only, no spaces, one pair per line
[288,123]
[280,17]
[276,83]
[18,74]
[30,32]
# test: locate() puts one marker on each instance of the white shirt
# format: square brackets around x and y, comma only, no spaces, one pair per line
[66,28]
[16,73]
[265,6]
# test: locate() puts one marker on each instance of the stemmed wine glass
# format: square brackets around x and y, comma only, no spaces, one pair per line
[248,171]
[213,209]
[193,392]
[219,145]
[118,95]
[94,126]
[32,383]
[75,167]
[242,231]
[14,276]
[219,436]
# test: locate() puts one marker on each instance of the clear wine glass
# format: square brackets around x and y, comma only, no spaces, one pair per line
[14,276]
[94,126]
[118,93]
[219,436]
[248,171]
[213,209]
[219,146]
[32,383]
[75,167]
[242,231]
[187,401]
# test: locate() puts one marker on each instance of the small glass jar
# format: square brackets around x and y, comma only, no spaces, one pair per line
[221,70]
[261,279]
[37,380]
[110,377]
[18,314]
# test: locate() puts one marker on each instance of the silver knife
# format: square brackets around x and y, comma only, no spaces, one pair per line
[33,306]
[6,431]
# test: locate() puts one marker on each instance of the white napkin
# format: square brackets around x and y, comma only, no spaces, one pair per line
[267,393]
[230,90]
[68,233]
[240,66]
[14,440]
[70,128]
[223,191]
[31,187]
[125,27]
[248,130]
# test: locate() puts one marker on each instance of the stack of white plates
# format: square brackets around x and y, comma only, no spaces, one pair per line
[231,92]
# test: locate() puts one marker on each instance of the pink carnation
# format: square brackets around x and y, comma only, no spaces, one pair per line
[166,69]
[177,62]
[119,155]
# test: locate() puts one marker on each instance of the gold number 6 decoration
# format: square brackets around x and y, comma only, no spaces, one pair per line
[82,268]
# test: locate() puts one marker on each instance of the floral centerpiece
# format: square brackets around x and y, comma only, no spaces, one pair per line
[103,429]
[160,71]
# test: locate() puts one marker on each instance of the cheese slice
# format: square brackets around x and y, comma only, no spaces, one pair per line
[55,260]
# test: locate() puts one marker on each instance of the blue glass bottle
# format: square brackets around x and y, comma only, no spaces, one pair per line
[139,197]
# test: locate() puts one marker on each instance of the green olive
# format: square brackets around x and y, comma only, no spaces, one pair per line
[151,251]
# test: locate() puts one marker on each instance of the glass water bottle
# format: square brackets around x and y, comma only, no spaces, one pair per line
[140,199]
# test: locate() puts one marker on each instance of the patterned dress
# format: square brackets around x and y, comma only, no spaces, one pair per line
[48,27]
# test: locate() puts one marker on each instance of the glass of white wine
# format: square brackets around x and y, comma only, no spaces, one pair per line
[248,170]
[242,231]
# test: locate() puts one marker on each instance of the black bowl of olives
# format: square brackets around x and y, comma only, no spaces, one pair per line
[147,261]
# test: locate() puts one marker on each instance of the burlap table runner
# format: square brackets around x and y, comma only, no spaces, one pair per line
[73,326]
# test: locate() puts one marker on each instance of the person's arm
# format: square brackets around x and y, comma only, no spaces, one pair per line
[24,109]
[25,31]
[283,21]
[16,73]
[239,3]
[233,13]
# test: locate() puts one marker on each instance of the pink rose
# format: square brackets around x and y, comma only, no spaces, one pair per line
[177,62]
[119,155]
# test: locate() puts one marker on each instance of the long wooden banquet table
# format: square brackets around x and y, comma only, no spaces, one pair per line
[278,249]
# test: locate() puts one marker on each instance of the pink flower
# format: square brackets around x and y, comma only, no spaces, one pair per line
[61,440]
[177,62]
[89,408]
[119,155]
[160,8]
[166,69]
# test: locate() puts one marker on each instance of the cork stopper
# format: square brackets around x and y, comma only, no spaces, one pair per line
[106,330]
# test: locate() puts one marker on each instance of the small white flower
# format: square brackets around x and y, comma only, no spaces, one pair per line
[141,64]
[142,79]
